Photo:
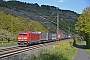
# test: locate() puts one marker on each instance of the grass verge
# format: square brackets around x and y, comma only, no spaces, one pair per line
[84,44]
[60,51]
[6,44]
[88,50]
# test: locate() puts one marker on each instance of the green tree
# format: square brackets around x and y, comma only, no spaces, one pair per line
[5,35]
[83,25]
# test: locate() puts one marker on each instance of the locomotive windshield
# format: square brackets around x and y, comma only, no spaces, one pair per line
[22,34]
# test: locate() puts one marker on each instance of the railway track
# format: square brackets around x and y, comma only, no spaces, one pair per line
[17,50]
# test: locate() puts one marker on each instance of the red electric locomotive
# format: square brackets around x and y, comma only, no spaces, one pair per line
[59,37]
[27,38]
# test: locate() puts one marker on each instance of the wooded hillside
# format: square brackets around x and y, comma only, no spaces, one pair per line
[43,13]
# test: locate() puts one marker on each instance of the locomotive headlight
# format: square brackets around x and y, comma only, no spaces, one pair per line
[25,38]
[19,38]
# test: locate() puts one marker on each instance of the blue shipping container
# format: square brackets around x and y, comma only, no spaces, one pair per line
[54,36]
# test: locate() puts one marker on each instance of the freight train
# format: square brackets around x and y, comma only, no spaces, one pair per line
[28,38]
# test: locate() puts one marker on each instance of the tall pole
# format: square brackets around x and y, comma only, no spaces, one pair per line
[57,25]
[69,30]
[12,24]
[69,35]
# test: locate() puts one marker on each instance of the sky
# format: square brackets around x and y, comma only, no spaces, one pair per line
[73,5]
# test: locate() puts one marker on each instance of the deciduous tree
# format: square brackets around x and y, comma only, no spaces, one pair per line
[83,25]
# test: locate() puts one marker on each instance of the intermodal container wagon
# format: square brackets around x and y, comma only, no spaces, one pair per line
[64,36]
[54,37]
[49,36]
[43,36]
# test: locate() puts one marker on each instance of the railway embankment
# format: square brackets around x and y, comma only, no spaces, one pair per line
[57,51]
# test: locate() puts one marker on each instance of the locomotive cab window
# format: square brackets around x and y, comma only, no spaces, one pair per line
[22,34]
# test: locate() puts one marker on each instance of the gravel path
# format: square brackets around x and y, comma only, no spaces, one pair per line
[82,53]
